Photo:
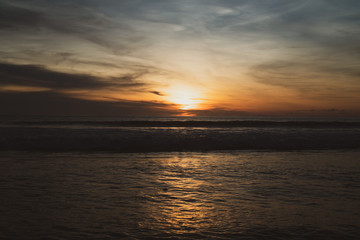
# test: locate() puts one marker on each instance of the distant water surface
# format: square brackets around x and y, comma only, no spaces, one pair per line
[176,134]
[180,195]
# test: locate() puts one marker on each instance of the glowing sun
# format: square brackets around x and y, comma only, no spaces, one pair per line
[187,98]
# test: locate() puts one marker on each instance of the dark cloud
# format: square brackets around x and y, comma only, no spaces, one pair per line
[54,103]
[321,112]
[326,112]
[38,76]
[157,93]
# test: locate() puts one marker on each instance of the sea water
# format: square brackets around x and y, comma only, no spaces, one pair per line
[136,179]
[176,134]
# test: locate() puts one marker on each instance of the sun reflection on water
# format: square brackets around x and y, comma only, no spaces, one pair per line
[193,195]
[184,204]
[238,195]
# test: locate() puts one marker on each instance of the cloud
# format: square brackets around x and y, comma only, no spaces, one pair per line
[157,93]
[327,112]
[55,103]
[319,78]
[310,48]
[13,18]
[292,28]
[38,76]
[66,19]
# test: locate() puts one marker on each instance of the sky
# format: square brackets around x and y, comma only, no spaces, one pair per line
[180,57]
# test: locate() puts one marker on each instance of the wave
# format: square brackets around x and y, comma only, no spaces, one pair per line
[32,138]
[206,124]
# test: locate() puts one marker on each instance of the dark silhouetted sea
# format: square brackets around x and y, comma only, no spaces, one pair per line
[179,178]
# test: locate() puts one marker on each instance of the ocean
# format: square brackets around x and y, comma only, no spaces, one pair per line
[179,178]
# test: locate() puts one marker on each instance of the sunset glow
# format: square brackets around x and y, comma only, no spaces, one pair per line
[187,98]
[181,57]
[180,119]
